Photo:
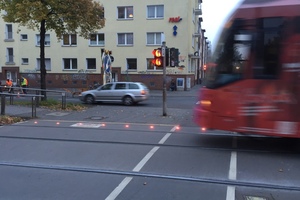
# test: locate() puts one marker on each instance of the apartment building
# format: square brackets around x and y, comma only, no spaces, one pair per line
[132,30]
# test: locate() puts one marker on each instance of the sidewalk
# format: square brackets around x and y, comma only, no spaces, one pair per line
[194,91]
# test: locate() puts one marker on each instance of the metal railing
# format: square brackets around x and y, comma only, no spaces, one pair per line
[33,101]
[17,92]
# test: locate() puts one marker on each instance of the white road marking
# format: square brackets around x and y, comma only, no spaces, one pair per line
[119,189]
[58,114]
[141,164]
[164,139]
[115,193]
[87,125]
[232,168]
[230,193]
[232,171]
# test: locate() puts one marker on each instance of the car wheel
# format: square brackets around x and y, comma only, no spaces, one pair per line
[128,101]
[89,99]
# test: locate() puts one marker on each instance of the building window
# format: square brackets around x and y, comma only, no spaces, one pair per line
[125,38]
[131,64]
[97,39]
[154,38]
[47,63]
[47,40]
[9,32]
[150,65]
[70,39]
[9,56]
[24,37]
[154,12]
[91,63]
[69,63]
[125,12]
[25,61]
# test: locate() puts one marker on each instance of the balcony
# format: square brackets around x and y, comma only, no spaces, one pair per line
[195,55]
[198,11]
[197,35]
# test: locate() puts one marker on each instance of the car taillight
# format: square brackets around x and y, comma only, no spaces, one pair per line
[143,92]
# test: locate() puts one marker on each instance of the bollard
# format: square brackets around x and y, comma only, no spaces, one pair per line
[37,100]
[63,101]
[2,104]
[11,99]
[33,107]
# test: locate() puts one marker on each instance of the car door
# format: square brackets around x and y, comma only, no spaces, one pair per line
[105,92]
[119,91]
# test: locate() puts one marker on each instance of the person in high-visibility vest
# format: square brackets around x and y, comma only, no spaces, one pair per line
[24,84]
[9,84]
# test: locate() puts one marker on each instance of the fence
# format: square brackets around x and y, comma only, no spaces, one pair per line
[35,98]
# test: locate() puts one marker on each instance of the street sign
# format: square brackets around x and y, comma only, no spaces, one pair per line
[163,49]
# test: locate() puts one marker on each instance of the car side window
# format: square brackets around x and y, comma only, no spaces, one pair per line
[120,86]
[107,86]
[133,86]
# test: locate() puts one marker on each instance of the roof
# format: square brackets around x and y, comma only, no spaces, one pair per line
[251,9]
[268,3]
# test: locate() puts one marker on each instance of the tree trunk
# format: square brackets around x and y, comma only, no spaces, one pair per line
[42,60]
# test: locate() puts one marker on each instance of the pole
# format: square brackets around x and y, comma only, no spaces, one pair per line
[3,104]
[103,67]
[33,106]
[163,47]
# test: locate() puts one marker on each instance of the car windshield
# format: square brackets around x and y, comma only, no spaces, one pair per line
[230,56]
[99,87]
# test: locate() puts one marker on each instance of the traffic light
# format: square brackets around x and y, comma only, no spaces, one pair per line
[204,67]
[174,57]
[158,59]
[167,55]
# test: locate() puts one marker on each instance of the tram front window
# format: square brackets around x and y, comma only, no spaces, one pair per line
[230,57]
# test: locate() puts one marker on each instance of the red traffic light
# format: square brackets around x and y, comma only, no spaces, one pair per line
[157,53]
[157,61]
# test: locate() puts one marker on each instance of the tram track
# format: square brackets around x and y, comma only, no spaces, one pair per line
[227,182]
[215,148]
[224,143]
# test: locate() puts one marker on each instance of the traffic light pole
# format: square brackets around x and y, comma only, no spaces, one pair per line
[163,48]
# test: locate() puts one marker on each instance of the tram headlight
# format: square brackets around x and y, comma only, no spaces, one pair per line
[204,103]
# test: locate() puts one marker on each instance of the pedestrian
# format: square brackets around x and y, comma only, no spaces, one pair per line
[173,85]
[24,84]
[9,85]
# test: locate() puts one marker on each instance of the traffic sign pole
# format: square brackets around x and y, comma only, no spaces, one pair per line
[163,47]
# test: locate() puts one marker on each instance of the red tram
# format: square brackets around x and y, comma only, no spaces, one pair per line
[253,85]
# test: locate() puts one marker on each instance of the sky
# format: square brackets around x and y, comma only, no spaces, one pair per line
[214,14]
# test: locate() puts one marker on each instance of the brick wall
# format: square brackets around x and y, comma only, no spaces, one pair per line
[83,80]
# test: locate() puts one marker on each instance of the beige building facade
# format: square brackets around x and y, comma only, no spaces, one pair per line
[132,30]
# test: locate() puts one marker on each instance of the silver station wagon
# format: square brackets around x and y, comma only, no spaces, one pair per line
[128,93]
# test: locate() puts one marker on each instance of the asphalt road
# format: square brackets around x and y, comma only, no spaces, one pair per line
[132,153]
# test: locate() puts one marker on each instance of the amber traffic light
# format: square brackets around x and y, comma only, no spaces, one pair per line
[157,57]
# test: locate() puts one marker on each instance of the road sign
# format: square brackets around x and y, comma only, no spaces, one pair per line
[163,49]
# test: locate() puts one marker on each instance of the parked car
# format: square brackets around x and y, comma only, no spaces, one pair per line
[128,93]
